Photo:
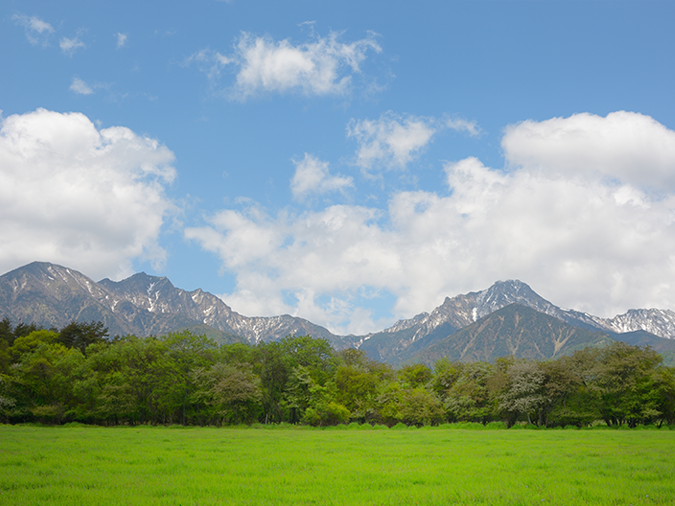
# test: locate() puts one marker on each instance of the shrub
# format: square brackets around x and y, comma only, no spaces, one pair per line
[330,413]
[496,426]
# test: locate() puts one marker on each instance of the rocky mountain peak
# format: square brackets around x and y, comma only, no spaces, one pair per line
[503,293]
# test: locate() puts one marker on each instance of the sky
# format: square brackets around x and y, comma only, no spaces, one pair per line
[352,163]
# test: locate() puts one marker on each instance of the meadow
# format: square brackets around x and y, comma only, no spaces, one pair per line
[203,466]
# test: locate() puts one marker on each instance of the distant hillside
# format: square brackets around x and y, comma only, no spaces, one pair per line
[407,338]
[514,330]
[52,295]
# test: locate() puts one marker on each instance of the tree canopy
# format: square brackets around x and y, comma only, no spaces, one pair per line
[78,374]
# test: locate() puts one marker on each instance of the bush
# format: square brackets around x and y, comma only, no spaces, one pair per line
[380,426]
[330,413]
[399,426]
[496,426]
[471,426]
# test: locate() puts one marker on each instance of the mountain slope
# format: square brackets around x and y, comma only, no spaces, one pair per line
[143,305]
[514,330]
[407,337]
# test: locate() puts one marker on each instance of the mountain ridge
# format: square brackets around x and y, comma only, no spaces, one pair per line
[513,330]
[142,304]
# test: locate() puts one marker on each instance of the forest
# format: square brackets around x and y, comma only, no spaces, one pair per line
[79,374]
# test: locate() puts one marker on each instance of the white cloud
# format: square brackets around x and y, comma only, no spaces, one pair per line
[462,125]
[69,46]
[37,30]
[121,39]
[325,66]
[627,146]
[210,62]
[391,141]
[87,198]
[80,87]
[594,240]
[312,177]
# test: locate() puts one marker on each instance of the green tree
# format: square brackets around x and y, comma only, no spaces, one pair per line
[418,406]
[79,335]
[413,376]
[233,390]
[568,399]
[624,377]
[29,342]
[468,399]
[44,378]
[279,360]
[524,394]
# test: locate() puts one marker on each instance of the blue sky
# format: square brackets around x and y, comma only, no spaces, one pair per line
[352,163]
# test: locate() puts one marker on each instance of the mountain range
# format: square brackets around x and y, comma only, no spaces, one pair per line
[508,318]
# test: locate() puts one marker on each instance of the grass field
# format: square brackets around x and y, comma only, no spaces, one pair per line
[204,466]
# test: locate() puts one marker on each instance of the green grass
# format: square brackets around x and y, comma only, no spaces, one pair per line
[204,466]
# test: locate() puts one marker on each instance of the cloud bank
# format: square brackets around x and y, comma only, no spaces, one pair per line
[568,215]
[86,198]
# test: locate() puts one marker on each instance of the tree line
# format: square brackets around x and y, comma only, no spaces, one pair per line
[78,374]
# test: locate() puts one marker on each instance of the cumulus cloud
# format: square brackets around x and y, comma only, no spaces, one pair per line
[121,39]
[37,30]
[391,141]
[312,177]
[80,87]
[69,46]
[592,236]
[75,195]
[627,146]
[324,66]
